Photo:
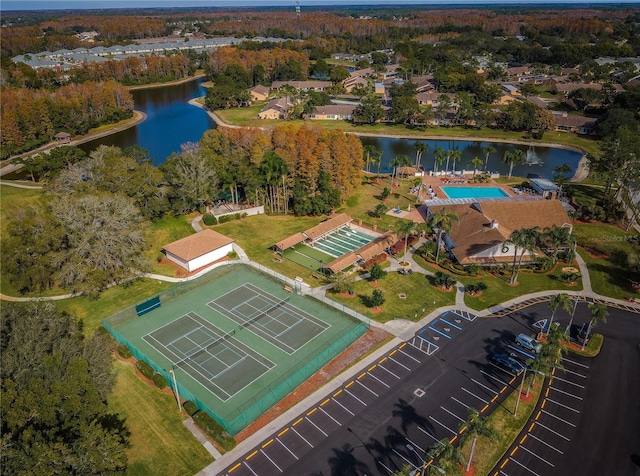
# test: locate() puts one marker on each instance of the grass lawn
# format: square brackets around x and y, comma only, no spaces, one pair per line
[489,451]
[160,443]
[92,311]
[163,231]
[609,274]
[421,297]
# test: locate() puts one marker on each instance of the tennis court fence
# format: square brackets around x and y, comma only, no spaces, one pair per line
[250,410]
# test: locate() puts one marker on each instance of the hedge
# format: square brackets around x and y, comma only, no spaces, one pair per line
[215,431]
[159,381]
[145,369]
[190,407]
[124,352]
[209,219]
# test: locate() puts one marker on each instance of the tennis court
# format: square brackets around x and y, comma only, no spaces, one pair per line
[237,340]
[216,360]
[342,241]
[277,321]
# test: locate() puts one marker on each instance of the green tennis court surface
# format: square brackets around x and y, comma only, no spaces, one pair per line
[237,341]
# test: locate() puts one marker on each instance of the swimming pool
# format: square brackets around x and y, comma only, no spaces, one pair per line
[474,192]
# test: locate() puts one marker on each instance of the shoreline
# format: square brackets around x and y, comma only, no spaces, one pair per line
[138,87]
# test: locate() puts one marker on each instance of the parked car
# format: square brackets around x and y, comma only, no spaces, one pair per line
[529,343]
[507,362]
[585,333]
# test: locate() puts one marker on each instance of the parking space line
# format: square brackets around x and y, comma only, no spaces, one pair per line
[394,450]
[415,445]
[303,438]
[544,443]
[493,377]
[410,356]
[566,393]
[563,405]
[234,467]
[386,369]
[323,411]
[443,425]
[400,364]
[552,431]
[441,333]
[451,324]
[568,381]
[521,351]
[283,432]
[287,448]
[272,462]
[345,408]
[557,418]
[452,414]
[574,362]
[431,344]
[427,433]
[249,467]
[317,427]
[461,403]
[574,373]
[503,370]
[367,388]
[519,463]
[355,397]
[471,393]
[484,386]
[383,383]
[537,456]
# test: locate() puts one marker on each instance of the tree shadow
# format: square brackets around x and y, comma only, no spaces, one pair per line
[408,415]
[344,463]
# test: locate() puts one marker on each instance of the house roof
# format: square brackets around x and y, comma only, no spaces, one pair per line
[291,241]
[378,245]
[260,89]
[278,104]
[328,225]
[572,120]
[341,263]
[473,232]
[194,246]
[337,109]
[302,84]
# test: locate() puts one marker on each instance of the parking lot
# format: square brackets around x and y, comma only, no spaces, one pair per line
[421,392]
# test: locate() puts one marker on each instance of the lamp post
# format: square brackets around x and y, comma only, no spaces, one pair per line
[175,387]
[575,305]
[515,410]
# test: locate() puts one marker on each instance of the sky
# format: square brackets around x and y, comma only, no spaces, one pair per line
[99,4]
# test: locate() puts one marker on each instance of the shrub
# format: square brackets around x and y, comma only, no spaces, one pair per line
[443,280]
[214,430]
[190,407]
[232,255]
[376,299]
[385,193]
[377,272]
[209,219]
[225,219]
[159,381]
[380,210]
[124,352]
[381,258]
[145,369]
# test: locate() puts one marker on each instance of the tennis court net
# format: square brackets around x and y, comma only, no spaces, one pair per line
[261,314]
[206,348]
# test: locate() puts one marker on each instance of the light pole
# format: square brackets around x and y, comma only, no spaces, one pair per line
[575,305]
[175,387]
[515,410]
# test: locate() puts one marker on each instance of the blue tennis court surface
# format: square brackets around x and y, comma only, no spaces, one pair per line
[343,241]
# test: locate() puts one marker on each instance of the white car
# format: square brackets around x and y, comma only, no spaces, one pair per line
[529,343]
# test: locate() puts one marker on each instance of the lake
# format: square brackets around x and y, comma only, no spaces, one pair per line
[171,122]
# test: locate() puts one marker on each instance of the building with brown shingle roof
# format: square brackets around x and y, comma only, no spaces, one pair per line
[482,233]
[198,250]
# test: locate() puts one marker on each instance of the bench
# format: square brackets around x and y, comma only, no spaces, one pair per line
[288,289]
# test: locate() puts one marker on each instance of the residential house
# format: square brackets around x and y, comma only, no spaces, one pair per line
[574,123]
[275,109]
[259,93]
[318,86]
[351,82]
[334,112]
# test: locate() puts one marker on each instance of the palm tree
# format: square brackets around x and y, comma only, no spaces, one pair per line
[487,151]
[476,426]
[443,220]
[599,312]
[446,451]
[399,161]
[558,300]
[406,229]
[372,155]
[557,236]
[513,157]
[475,163]
[525,239]
[438,158]
[421,148]
[456,155]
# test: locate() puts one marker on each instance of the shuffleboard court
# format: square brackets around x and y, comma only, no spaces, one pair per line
[277,321]
[215,359]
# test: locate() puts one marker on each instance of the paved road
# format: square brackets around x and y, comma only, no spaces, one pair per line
[420,393]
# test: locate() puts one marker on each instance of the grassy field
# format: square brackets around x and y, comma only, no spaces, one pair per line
[92,311]
[160,443]
[609,271]
[421,298]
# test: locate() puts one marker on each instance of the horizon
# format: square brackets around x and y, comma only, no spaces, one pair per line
[46,5]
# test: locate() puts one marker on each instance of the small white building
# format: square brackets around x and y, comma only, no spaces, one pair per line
[201,249]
